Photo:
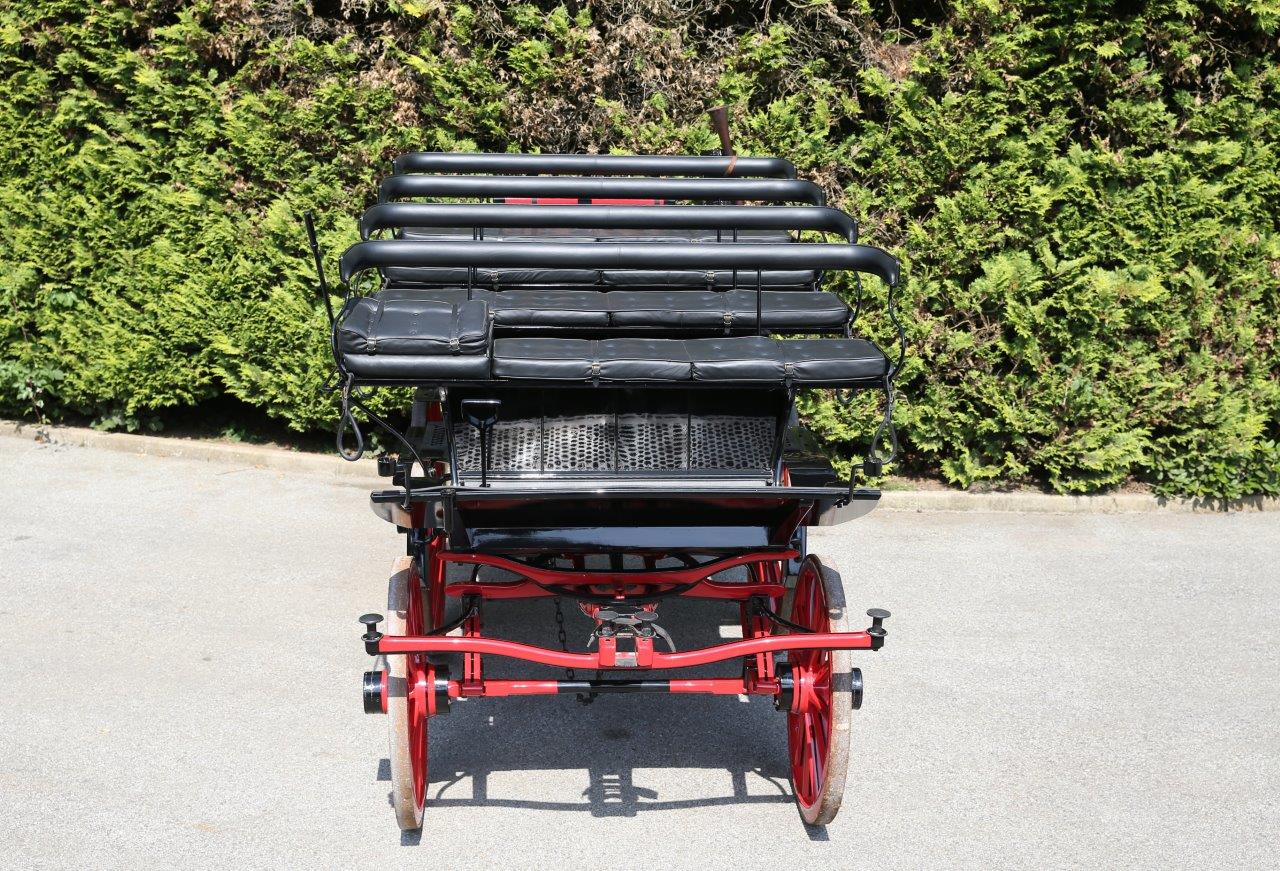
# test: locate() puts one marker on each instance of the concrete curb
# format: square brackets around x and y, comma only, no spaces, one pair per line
[363,473]
[1051,503]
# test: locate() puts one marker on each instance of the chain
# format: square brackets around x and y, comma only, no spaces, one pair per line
[564,641]
[569,673]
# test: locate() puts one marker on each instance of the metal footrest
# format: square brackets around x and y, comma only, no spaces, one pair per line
[621,443]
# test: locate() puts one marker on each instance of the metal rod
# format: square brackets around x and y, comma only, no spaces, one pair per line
[390,644]
[708,686]
[382,253]
[594,164]
[418,215]
[396,187]
[308,221]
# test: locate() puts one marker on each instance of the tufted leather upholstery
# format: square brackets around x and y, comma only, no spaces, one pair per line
[756,359]
[688,309]
[399,338]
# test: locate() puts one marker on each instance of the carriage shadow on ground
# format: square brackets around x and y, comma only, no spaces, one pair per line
[730,751]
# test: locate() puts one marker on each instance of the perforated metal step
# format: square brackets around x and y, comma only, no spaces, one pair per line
[620,444]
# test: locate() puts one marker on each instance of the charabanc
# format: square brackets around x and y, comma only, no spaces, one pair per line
[604,370]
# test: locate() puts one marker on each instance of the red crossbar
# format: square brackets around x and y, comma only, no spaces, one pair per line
[715,686]
[680,575]
[683,659]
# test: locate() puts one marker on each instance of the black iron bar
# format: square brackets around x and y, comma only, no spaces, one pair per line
[613,686]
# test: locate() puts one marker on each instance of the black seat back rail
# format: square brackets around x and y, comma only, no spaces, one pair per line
[707,190]
[619,255]
[396,216]
[703,166]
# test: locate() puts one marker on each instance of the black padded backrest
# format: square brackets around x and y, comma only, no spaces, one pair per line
[722,218]
[706,190]
[595,164]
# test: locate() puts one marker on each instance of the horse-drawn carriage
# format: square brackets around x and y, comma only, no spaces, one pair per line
[604,355]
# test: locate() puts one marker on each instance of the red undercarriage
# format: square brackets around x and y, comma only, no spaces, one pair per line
[632,653]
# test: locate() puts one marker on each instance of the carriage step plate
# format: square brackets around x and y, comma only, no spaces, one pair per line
[622,443]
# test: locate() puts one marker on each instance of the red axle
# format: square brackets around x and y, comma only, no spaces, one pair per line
[716,686]
[684,659]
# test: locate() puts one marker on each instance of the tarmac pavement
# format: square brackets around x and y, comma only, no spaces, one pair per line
[181,687]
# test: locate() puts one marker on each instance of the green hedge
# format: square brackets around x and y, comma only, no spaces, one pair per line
[1084,195]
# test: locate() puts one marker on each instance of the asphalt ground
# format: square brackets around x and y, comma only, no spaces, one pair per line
[181,666]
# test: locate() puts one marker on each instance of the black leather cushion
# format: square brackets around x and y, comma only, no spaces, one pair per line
[710,309]
[379,326]
[548,308]
[833,360]
[418,338]
[677,309]
[757,359]
[512,277]
[721,278]
[742,358]
[586,359]
[409,367]
[520,308]
[801,361]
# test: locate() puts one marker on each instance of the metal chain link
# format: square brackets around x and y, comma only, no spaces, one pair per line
[569,673]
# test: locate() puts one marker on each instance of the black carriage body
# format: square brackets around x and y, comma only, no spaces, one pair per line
[623,470]
[645,397]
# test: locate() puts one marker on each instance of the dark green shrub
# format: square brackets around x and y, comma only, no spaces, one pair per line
[1085,198]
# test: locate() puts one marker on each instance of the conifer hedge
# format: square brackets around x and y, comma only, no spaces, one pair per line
[1084,196]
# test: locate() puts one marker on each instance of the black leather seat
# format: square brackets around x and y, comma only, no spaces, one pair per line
[434,341]
[799,311]
[753,359]
[427,339]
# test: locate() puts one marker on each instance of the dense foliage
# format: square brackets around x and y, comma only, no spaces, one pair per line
[1084,194]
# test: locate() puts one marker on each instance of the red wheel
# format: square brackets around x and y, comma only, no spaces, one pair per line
[410,688]
[821,697]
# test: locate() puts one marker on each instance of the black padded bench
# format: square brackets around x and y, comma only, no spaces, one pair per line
[410,341]
[752,359]
[435,340]
[797,311]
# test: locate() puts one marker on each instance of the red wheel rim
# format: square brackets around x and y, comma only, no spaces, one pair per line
[809,721]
